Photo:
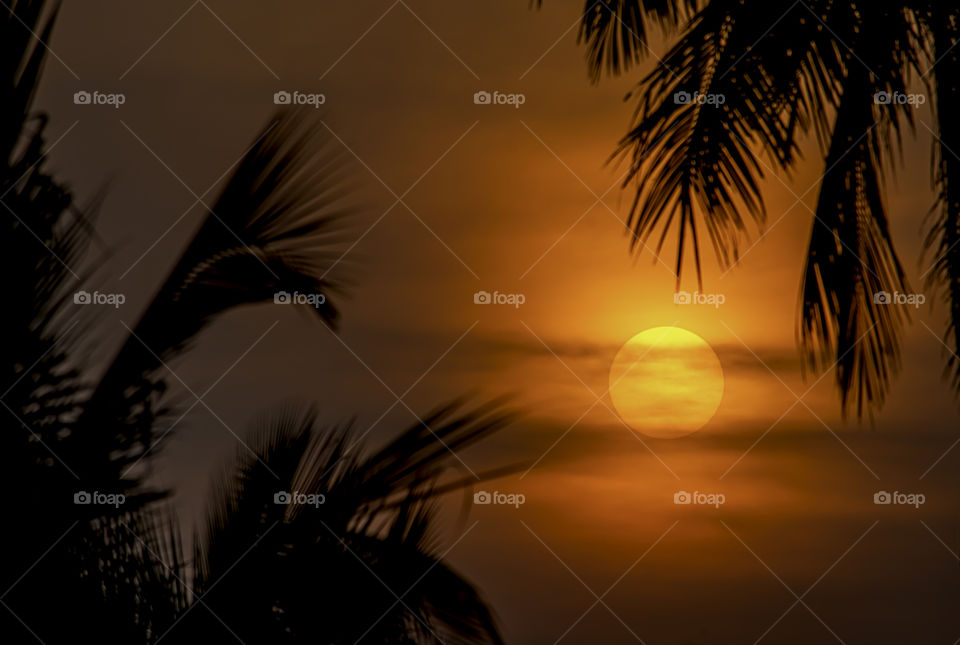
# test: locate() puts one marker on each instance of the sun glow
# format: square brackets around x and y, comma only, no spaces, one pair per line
[666,382]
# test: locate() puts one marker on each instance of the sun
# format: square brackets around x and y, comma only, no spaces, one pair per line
[666,382]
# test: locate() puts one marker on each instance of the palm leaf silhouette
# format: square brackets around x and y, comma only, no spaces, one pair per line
[273,228]
[782,71]
[943,240]
[615,32]
[334,572]
[850,259]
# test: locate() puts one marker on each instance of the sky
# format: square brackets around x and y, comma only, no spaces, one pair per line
[456,198]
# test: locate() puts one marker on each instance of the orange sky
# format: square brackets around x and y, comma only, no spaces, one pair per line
[519,200]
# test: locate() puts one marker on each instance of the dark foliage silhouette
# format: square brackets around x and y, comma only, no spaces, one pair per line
[272,228]
[786,70]
[360,566]
[121,575]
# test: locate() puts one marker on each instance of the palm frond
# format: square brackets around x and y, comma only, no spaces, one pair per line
[274,228]
[765,74]
[685,155]
[616,32]
[326,572]
[845,319]
[943,238]
[24,27]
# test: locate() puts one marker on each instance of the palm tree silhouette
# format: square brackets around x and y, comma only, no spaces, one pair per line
[121,574]
[358,562]
[741,84]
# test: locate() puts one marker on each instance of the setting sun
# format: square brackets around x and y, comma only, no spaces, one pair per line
[666,382]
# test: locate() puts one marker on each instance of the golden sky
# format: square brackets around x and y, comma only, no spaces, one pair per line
[458,198]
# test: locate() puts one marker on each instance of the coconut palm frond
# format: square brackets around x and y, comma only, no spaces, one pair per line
[744,75]
[439,605]
[418,452]
[370,534]
[46,232]
[616,32]
[689,147]
[450,608]
[847,319]
[24,27]
[849,314]
[943,238]
[895,50]
[275,228]
[282,208]
[779,74]
[243,507]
